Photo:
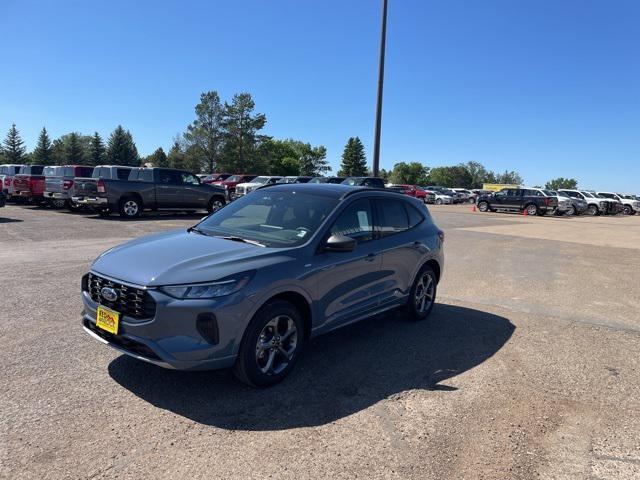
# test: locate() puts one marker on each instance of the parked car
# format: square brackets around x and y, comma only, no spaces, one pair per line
[29,184]
[59,184]
[371,182]
[250,285]
[230,183]
[630,205]
[571,205]
[294,179]
[528,200]
[326,180]
[8,172]
[467,195]
[215,177]
[439,197]
[257,182]
[149,189]
[411,190]
[446,195]
[595,205]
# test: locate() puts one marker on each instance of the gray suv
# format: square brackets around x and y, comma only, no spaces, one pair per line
[251,283]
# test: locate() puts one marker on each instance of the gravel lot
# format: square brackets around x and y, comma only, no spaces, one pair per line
[529,370]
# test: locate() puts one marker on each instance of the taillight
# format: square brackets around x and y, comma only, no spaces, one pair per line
[7,182]
[67,184]
[441,236]
[100,186]
[547,201]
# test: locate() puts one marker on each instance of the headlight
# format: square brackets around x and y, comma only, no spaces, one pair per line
[219,288]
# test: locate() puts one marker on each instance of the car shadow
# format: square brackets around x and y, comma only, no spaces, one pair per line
[148,216]
[9,220]
[339,374]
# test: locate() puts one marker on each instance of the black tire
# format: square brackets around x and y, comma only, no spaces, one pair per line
[593,210]
[572,212]
[215,204]
[483,206]
[628,210]
[532,209]
[438,201]
[416,296]
[104,212]
[73,207]
[130,207]
[248,367]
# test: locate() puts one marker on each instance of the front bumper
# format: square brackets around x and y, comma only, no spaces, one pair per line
[173,338]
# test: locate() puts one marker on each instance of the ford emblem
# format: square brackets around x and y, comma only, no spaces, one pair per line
[109,294]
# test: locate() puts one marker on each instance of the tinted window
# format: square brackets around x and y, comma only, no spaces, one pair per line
[374,183]
[146,176]
[415,217]
[84,172]
[512,192]
[170,177]
[356,221]
[393,217]
[97,172]
[36,169]
[122,173]
[189,178]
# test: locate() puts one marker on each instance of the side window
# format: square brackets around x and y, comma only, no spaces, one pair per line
[415,217]
[85,172]
[394,217]
[170,177]
[145,175]
[67,172]
[122,173]
[501,193]
[97,172]
[512,192]
[190,179]
[356,221]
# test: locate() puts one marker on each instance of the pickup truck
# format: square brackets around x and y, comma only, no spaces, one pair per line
[230,183]
[630,205]
[7,172]
[149,189]
[595,205]
[59,184]
[528,200]
[415,192]
[29,184]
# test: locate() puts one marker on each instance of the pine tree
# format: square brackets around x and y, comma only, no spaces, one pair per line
[121,149]
[158,158]
[74,154]
[96,149]
[241,139]
[13,146]
[42,154]
[204,136]
[354,161]
[176,157]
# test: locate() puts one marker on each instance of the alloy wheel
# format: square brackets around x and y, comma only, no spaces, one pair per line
[276,345]
[131,208]
[424,294]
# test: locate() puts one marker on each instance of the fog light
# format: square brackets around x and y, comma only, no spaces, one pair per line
[207,326]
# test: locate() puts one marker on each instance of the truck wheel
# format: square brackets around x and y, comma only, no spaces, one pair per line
[215,204]
[483,206]
[57,203]
[572,211]
[532,209]
[271,344]
[593,210]
[130,207]
[628,210]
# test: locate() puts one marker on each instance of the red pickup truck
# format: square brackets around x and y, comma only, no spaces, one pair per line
[229,184]
[29,184]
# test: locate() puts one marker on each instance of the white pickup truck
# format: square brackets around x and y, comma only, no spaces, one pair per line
[596,206]
[631,205]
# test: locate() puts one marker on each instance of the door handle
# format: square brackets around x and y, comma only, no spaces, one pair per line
[371,257]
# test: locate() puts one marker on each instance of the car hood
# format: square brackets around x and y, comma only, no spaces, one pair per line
[179,257]
[249,184]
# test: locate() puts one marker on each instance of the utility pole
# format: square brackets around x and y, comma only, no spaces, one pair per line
[376,141]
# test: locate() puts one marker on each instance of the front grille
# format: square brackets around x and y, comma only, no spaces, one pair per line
[239,190]
[132,302]
[125,343]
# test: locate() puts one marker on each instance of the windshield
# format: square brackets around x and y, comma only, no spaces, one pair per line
[550,193]
[587,194]
[275,219]
[234,178]
[564,194]
[260,180]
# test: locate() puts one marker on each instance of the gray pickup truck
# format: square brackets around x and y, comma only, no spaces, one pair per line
[149,189]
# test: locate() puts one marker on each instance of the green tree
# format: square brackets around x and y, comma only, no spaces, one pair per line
[456,176]
[157,158]
[510,178]
[176,156]
[479,174]
[205,134]
[277,157]
[311,160]
[413,173]
[13,146]
[241,139]
[74,152]
[561,182]
[354,161]
[121,149]
[42,154]
[97,150]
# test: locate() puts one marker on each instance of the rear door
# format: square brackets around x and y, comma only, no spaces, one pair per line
[169,189]
[401,251]
[513,199]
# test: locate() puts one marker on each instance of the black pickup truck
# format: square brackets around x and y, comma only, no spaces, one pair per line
[148,189]
[526,200]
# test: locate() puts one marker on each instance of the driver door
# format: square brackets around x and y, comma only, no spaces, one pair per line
[350,283]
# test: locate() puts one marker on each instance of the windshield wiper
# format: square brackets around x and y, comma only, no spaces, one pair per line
[240,239]
[197,230]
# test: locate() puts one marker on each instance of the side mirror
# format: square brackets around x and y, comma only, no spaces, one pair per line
[340,243]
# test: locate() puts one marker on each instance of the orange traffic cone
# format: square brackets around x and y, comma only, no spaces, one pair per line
[524,212]
[473,209]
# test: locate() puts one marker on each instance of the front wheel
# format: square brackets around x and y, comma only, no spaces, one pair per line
[628,210]
[438,201]
[215,204]
[271,345]
[130,207]
[532,209]
[593,210]
[422,297]
[483,206]
[572,211]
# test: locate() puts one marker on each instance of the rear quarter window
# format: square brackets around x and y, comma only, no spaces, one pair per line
[123,173]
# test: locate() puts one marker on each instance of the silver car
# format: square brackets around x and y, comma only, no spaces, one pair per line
[250,284]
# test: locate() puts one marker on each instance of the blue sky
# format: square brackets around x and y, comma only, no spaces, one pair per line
[546,88]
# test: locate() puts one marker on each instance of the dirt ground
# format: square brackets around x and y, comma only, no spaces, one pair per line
[529,369]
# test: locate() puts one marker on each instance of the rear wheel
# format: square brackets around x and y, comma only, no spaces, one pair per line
[57,203]
[532,209]
[593,210]
[130,207]
[271,345]
[438,201]
[628,210]
[422,297]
